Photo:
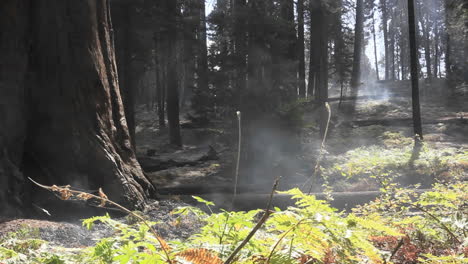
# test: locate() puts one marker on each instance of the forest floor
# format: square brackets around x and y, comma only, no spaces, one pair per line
[360,152]
[381,128]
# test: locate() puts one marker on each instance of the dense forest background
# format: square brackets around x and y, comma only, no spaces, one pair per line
[76,74]
[234,131]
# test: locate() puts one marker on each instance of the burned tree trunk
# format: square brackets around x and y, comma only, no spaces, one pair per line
[414,71]
[71,119]
[13,71]
[124,38]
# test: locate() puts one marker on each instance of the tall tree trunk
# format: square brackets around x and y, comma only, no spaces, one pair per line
[124,39]
[189,42]
[392,50]
[15,30]
[358,39]
[404,46]
[240,40]
[414,70]
[316,21]
[318,69]
[426,42]
[323,84]
[160,72]
[284,52]
[376,60]
[74,126]
[436,51]
[397,53]
[448,62]
[202,62]
[383,4]
[172,97]
[339,48]
[402,60]
[301,48]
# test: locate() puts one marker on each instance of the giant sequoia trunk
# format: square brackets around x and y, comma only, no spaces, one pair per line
[61,104]
[124,38]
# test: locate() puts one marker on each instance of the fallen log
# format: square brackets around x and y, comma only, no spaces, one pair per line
[405,122]
[251,201]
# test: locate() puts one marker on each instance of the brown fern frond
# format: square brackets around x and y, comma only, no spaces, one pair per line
[163,243]
[200,256]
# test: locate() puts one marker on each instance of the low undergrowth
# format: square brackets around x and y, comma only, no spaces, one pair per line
[401,226]
[393,159]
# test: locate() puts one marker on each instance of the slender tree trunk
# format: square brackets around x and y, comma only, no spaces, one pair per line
[436,51]
[414,70]
[172,98]
[160,78]
[376,61]
[301,48]
[339,49]
[402,60]
[202,63]
[318,70]
[448,62]
[358,39]
[426,43]
[404,46]
[240,49]
[284,52]
[323,88]
[398,63]
[316,21]
[189,41]
[392,51]
[383,4]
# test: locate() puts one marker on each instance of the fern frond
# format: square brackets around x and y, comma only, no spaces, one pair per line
[200,256]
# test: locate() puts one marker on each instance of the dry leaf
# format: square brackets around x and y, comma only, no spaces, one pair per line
[84,196]
[104,198]
[200,256]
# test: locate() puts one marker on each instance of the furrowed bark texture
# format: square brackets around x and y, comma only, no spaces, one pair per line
[76,127]
[14,30]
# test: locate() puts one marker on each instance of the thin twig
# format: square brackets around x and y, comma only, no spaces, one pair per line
[224,232]
[281,238]
[104,200]
[439,222]
[257,226]
[322,148]
[395,250]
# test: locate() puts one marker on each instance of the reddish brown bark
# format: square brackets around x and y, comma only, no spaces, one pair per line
[74,122]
